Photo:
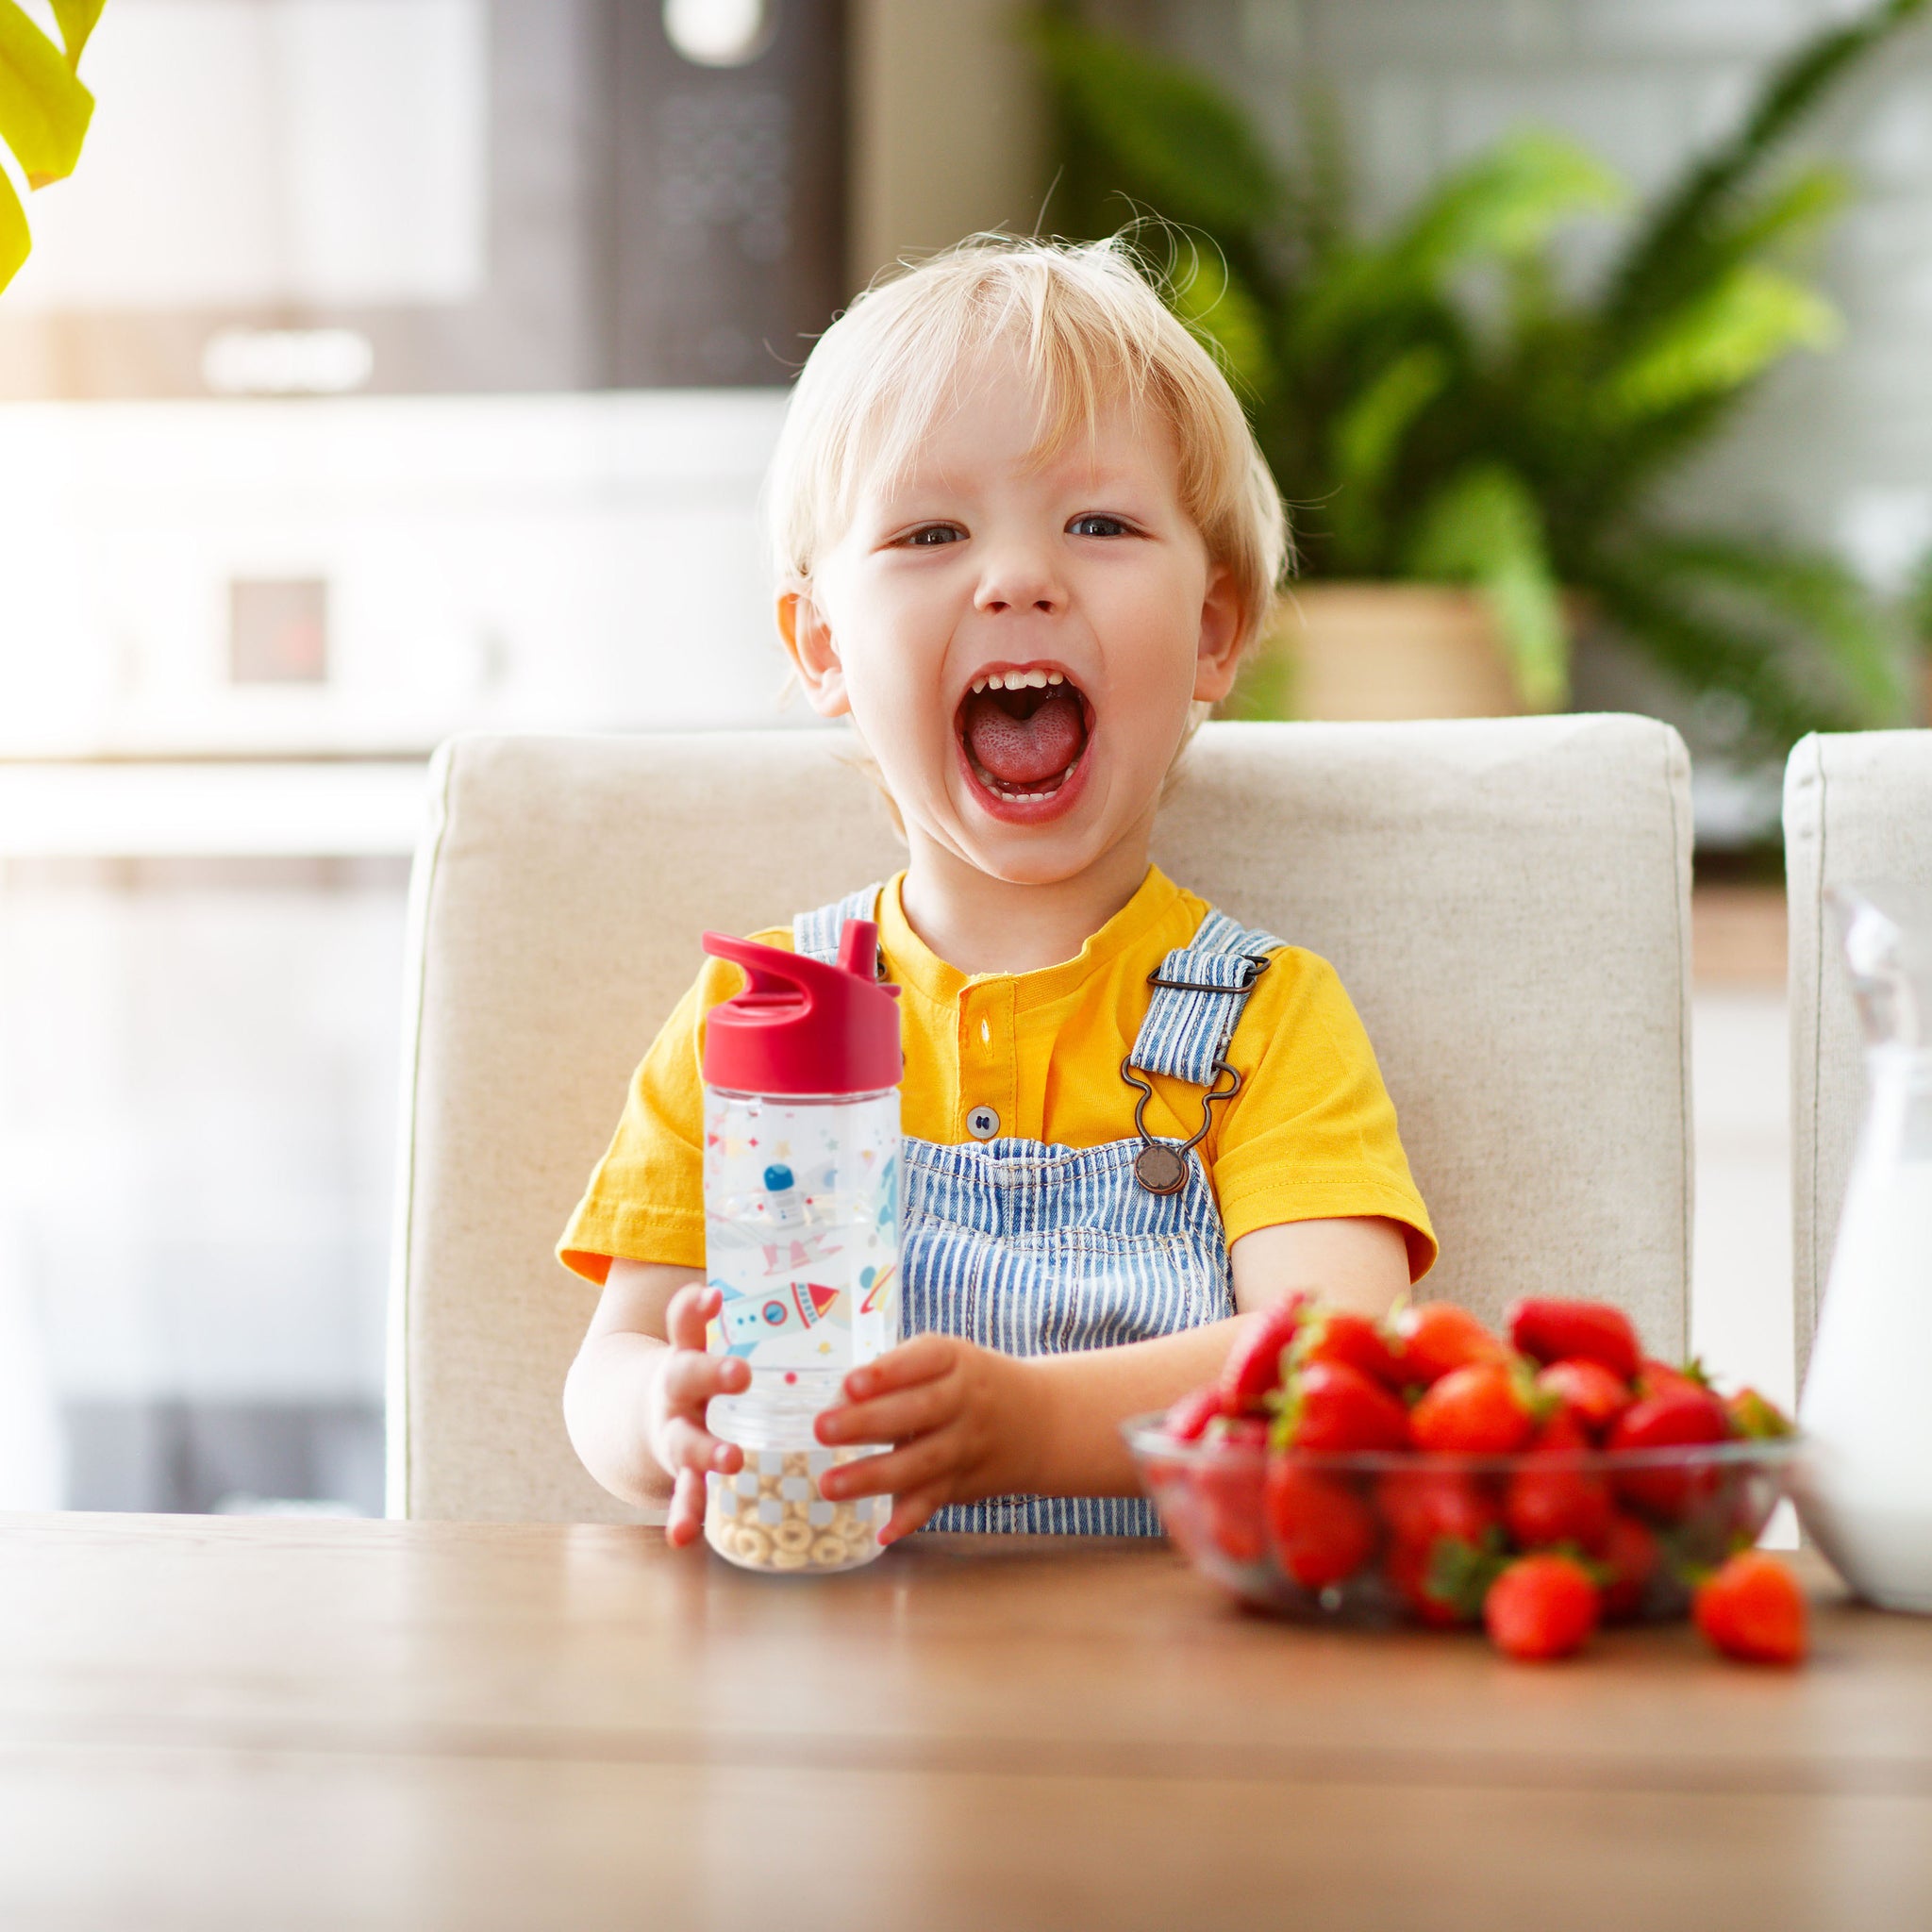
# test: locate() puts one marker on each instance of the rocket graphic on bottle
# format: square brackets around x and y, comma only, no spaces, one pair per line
[802,1166]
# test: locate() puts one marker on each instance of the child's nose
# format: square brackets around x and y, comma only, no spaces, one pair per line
[1019,582]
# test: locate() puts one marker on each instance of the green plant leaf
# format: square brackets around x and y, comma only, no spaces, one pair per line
[1733,331]
[77,20]
[1485,528]
[1815,594]
[1791,633]
[1793,212]
[15,242]
[1369,430]
[1666,253]
[1500,207]
[43,108]
[1508,202]
[1212,300]
[1918,606]
[1173,134]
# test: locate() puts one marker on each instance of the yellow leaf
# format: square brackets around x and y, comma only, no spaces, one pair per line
[43,108]
[76,19]
[14,239]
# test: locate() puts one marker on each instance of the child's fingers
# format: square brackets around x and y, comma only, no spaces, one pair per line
[915,1411]
[687,1313]
[692,1379]
[924,1359]
[689,1448]
[685,1519]
[909,1513]
[901,1472]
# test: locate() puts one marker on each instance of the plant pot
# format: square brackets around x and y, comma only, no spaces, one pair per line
[1380,650]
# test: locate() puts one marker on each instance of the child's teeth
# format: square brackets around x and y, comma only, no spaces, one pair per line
[979,685]
[1033,680]
[1055,677]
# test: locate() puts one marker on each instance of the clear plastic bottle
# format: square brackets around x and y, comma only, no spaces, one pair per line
[1865,1483]
[801,1234]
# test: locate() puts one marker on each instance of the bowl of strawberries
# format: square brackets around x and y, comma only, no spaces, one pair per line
[1426,1470]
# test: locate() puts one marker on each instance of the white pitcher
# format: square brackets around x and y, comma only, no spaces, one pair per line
[1865,1486]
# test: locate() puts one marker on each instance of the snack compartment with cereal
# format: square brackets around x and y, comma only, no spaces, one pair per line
[771,1516]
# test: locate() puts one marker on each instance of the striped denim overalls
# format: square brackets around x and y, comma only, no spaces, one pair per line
[1037,1250]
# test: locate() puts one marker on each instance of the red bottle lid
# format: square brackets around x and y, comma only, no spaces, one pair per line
[802,1026]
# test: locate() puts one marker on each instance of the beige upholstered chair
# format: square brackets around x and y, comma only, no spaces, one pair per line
[1505,900]
[1857,806]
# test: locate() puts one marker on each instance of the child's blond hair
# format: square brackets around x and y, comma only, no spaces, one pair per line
[1094,331]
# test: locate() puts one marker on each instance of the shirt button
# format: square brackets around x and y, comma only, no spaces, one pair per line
[982,1124]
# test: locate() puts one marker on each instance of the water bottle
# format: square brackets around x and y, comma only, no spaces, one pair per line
[1865,1485]
[800,1077]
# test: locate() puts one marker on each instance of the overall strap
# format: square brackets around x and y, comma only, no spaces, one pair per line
[1198,996]
[816,934]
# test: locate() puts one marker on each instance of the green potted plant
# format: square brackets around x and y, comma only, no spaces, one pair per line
[1471,444]
[45,111]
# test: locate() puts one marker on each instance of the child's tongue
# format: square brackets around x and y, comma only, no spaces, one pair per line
[1024,737]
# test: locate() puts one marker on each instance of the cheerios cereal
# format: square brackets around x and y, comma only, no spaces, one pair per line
[771,1516]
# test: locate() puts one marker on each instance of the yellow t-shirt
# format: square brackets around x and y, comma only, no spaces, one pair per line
[1311,1135]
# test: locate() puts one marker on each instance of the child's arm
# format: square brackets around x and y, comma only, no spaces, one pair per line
[967,1422]
[634,1401]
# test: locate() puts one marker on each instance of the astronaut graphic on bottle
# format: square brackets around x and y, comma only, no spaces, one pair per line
[801,1229]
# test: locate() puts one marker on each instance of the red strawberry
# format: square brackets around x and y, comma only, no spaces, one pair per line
[1433,1337]
[1332,1407]
[1680,1417]
[1753,1608]
[1187,1417]
[1629,1556]
[1540,1606]
[1442,1526]
[1551,1330]
[1324,1532]
[1441,1584]
[1342,1335]
[1654,1377]
[1230,1485]
[1423,1504]
[1253,1368]
[1587,1390]
[1755,1416]
[1477,1411]
[1558,1503]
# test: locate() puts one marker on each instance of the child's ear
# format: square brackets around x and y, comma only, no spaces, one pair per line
[808,642]
[1217,655]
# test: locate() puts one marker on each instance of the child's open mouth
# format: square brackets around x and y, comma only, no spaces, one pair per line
[1024,733]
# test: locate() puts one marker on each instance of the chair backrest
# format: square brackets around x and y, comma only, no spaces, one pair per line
[1858,807]
[1507,900]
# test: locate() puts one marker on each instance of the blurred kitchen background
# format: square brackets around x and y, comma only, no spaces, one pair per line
[391,368]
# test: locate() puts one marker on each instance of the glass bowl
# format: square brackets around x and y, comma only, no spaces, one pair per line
[1384,1537]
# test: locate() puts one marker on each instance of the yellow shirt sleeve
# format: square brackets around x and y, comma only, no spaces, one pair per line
[1311,1134]
[646,1199]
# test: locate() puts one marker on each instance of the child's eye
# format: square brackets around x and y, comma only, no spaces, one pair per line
[1098,524]
[930,535]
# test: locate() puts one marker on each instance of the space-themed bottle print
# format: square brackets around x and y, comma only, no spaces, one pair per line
[801,1161]
[802,1236]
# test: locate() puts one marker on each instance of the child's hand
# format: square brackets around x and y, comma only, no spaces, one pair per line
[960,1420]
[674,1431]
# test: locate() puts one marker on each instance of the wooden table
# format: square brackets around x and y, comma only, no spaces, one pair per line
[217,1723]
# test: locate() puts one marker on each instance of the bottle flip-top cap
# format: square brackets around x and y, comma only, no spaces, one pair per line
[802,1026]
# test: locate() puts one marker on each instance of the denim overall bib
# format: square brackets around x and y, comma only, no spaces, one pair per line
[1033,1249]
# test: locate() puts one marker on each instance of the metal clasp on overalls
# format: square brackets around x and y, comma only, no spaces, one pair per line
[1162,1166]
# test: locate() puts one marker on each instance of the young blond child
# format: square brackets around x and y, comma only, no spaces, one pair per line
[1024,536]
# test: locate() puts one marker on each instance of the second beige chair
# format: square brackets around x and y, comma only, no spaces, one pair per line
[1858,807]
[1507,900]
